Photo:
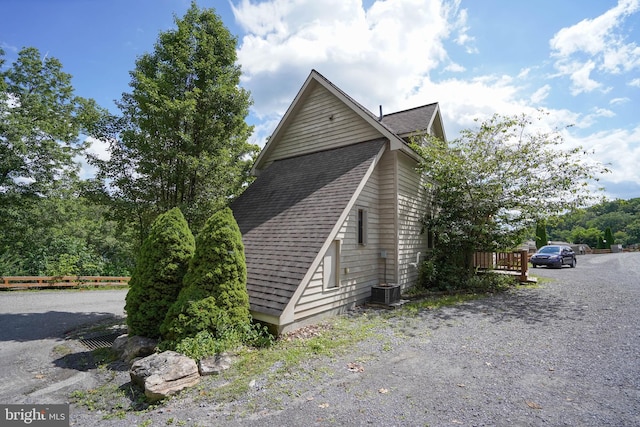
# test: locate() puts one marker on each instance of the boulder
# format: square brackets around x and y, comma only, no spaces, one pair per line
[163,374]
[130,347]
[214,365]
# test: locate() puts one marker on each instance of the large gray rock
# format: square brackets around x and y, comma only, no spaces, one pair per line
[214,365]
[130,347]
[163,374]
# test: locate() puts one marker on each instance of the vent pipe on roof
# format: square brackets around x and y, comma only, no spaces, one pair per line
[380,118]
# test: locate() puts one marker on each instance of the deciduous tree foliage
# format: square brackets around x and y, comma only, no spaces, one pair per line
[585,225]
[62,234]
[495,181]
[157,279]
[182,140]
[40,124]
[214,296]
[46,227]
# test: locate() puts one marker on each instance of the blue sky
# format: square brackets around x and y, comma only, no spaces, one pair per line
[579,60]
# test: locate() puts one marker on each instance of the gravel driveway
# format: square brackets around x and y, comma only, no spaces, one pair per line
[565,353]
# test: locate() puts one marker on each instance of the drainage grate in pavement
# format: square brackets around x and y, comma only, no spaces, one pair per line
[101,341]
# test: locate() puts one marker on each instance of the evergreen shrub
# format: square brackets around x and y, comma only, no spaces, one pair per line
[214,303]
[157,279]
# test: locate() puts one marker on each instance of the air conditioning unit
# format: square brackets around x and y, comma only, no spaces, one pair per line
[385,294]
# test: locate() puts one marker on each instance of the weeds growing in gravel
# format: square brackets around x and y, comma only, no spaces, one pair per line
[285,359]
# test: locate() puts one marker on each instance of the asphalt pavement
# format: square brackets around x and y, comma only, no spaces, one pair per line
[34,326]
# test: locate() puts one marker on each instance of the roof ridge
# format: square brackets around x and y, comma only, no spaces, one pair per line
[409,109]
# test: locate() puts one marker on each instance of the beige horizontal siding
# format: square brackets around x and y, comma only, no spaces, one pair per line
[323,122]
[387,215]
[411,208]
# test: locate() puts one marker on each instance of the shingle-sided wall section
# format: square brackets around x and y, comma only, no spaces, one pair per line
[287,214]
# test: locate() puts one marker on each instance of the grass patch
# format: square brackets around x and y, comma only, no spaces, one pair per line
[285,356]
[436,302]
[111,399]
[62,350]
[543,280]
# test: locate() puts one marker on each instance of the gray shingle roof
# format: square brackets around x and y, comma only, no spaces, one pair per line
[409,121]
[287,213]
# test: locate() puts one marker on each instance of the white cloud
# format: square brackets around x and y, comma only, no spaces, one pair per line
[463,38]
[97,148]
[377,54]
[598,40]
[618,101]
[593,36]
[540,94]
[390,52]
[619,147]
[455,68]
[5,46]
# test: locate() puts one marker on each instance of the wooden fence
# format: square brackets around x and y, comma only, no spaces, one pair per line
[516,263]
[14,282]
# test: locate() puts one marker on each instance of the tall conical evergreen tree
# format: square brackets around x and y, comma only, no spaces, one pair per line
[157,279]
[541,234]
[608,238]
[215,295]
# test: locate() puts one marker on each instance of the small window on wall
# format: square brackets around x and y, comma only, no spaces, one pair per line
[331,267]
[362,227]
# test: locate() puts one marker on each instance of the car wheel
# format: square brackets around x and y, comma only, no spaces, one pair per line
[534,265]
[573,263]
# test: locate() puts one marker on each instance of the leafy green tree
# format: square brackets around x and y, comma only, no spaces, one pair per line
[588,236]
[584,225]
[182,140]
[214,298]
[621,237]
[41,121]
[63,234]
[608,238]
[493,183]
[615,220]
[600,244]
[157,279]
[633,231]
[541,234]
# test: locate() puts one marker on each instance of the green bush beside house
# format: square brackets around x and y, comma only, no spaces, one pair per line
[157,279]
[211,313]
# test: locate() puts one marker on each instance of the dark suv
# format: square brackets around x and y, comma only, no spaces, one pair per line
[554,256]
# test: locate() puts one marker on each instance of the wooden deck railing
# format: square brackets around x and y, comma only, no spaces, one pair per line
[61,281]
[517,262]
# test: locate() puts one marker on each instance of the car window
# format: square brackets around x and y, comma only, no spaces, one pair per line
[549,250]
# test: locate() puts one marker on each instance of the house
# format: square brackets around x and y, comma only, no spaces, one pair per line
[336,206]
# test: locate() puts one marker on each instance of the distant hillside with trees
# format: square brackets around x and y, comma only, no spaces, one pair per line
[622,217]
